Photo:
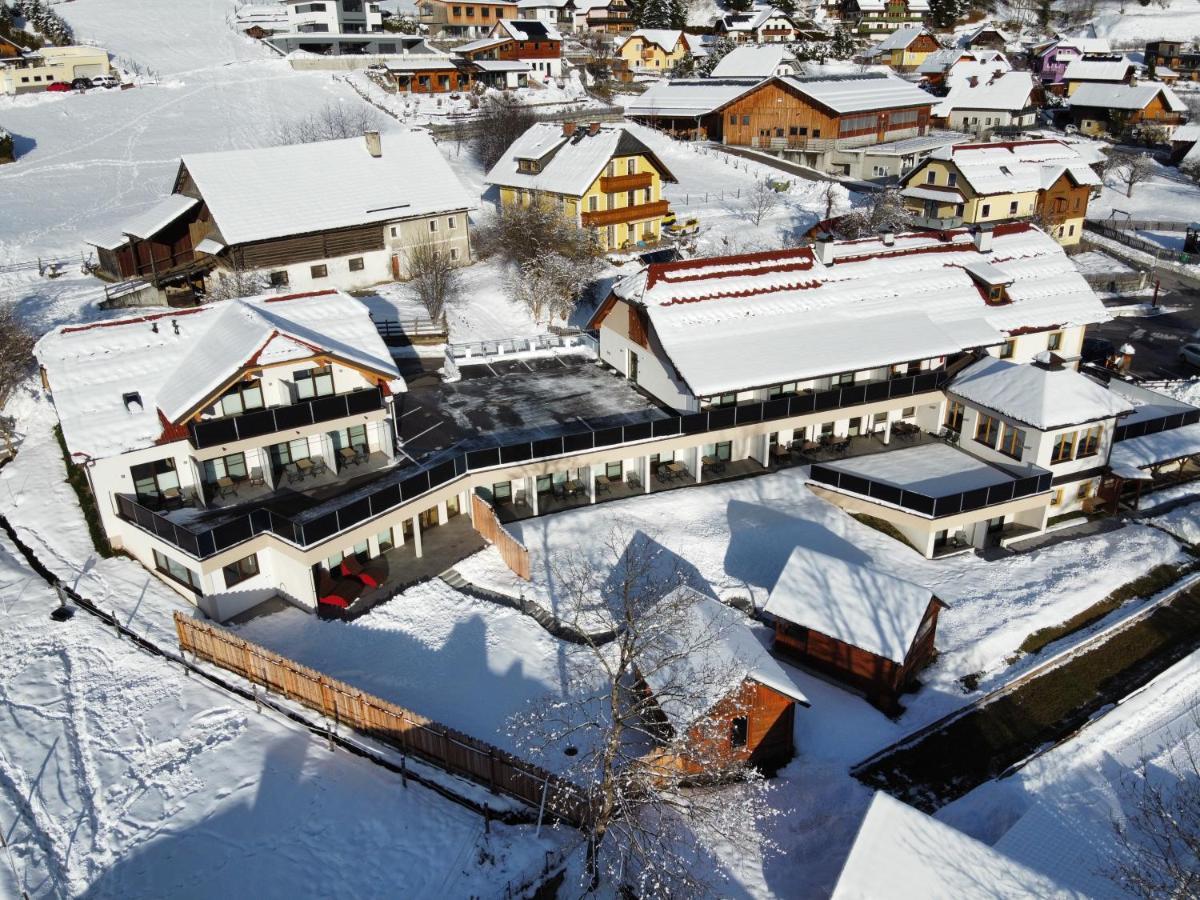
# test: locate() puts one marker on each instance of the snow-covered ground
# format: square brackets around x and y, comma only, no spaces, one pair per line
[1134,24]
[1183,522]
[1167,196]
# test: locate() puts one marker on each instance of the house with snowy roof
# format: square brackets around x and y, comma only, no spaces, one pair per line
[717,694]
[1111,108]
[191,415]
[1093,69]
[905,48]
[446,20]
[604,16]
[601,176]
[656,50]
[238,211]
[872,17]
[862,627]
[1177,56]
[1049,61]
[935,69]
[1002,182]
[559,13]
[984,99]
[987,37]
[332,28]
[756,62]
[760,25]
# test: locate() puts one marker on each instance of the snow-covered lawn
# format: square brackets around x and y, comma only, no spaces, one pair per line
[1133,23]
[1096,263]
[1183,522]
[1167,196]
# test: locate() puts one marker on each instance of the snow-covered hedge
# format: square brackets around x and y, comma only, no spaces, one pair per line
[6,147]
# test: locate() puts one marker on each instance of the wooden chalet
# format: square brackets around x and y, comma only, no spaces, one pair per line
[1097,108]
[864,628]
[719,695]
[987,37]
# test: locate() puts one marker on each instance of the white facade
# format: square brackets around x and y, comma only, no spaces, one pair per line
[334,17]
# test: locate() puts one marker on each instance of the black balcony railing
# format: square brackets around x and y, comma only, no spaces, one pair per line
[216,432]
[1154,426]
[934,507]
[309,529]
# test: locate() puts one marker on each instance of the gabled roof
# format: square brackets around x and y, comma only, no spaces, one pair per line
[749,21]
[688,97]
[850,602]
[272,192]
[528,30]
[757,61]
[173,361]
[1098,70]
[1044,397]
[902,854]
[740,322]
[664,38]
[995,90]
[1011,167]
[983,29]
[880,5]
[1124,96]
[569,164]
[713,651]
[901,38]
[1079,44]
[859,93]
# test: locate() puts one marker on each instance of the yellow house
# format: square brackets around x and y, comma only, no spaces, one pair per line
[654,49]
[39,69]
[905,48]
[601,176]
[971,184]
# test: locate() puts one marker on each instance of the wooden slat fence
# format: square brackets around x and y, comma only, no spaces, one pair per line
[487,523]
[455,752]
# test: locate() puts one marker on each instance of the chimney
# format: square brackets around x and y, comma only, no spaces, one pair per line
[593,128]
[983,238]
[823,249]
[374,144]
[568,129]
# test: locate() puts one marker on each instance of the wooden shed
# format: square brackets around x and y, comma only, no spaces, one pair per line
[864,628]
[718,689]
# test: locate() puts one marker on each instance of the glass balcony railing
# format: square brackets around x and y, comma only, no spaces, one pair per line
[228,429]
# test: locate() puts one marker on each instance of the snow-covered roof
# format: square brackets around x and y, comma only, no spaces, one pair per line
[940,60]
[529,30]
[173,361]
[935,470]
[984,29]
[880,5]
[686,97]
[933,139]
[1098,70]
[858,93]
[1188,133]
[421,64]
[851,602]
[1080,44]
[902,37]
[1013,167]
[740,322]
[568,164]
[1155,448]
[1147,404]
[754,61]
[1124,96]
[712,652]
[1037,395]
[990,89]
[665,38]
[748,21]
[272,192]
[903,854]
[501,65]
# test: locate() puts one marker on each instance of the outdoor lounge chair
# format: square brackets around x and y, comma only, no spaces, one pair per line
[256,478]
[293,473]
[633,480]
[370,575]
[318,466]
[336,595]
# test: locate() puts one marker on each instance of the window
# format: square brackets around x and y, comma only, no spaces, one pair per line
[1013,442]
[788,388]
[1064,447]
[723,400]
[152,478]
[433,224]
[318,271]
[356,264]
[241,570]
[1089,442]
[1006,349]
[739,731]
[1054,340]
[843,380]
[454,253]
[278,279]
[1057,499]
[502,491]
[353,6]
[931,177]
[232,466]
[987,430]
[177,572]
[1012,208]
[745,120]
[986,210]
[733,118]
[394,231]
[631,166]
[908,412]
[355,437]
[385,540]
[1085,491]
[592,203]
[952,179]
[451,222]
[954,415]
[241,398]
[852,124]
[315,382]
[613,470]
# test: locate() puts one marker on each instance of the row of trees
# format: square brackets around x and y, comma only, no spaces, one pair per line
[48,23]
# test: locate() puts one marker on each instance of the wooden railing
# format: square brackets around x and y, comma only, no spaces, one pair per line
[612,184]
[453,751]
[512,551]
[634,213]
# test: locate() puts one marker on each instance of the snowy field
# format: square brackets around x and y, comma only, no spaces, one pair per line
[1167,196]
[1134,24]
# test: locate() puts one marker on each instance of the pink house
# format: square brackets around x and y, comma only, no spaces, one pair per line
[1050,62]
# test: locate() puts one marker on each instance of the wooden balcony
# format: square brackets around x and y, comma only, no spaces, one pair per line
[612,184]
[635,213]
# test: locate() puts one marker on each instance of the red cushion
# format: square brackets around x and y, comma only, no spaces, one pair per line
[334,600]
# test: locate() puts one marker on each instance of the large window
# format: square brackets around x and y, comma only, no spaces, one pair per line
[1089,442]
[1064,447]
[153,478]
[987,430]
[231,466]
[239,571]
[177,572]
[954,415]
[317,382]
[1013,442]
[857,123]
[739,731]
[290,451]
[246,396]
[355,436]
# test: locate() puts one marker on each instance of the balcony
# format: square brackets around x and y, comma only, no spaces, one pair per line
[937,224]
[230,429]
[612,184]
[635,213]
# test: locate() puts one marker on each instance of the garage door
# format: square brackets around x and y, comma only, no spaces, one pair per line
[92,71]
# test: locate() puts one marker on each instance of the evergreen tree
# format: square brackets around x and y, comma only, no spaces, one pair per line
[741,6]
[841,45]
[787,7]
[717,51]
[654,14]
[945,13]
[679,13]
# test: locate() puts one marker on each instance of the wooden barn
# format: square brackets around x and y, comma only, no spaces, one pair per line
[864,628]
[718,688]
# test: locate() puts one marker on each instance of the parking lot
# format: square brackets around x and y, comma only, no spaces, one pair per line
[1157,339]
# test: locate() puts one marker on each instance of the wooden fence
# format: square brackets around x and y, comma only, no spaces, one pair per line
[412,331]
[512,551]
[453,751]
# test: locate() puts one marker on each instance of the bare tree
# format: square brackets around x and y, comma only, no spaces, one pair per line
[501,121]
[1129,168]
[1159,838]
[16,350]
[332,122]
[762,199]
[884,211]
[235,281]
[551,285]
[648,817]
[523,232]
[435,277]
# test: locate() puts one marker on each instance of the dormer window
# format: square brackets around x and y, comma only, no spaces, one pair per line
[132,401]
[529,166]
[931,177]
[991,280]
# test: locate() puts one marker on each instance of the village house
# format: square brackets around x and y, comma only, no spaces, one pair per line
[432,74]
[234,211]
[450,20]
[604,16]
[528,41]
[656,50]
[1003,182]
[756,62]
[904,49]
[1111,108]
[872,17]
[935,70]
[987,37]
[890,160]
[1091,69]
[738,705]
[561,14]
[601,177]
[867,629]
[1177,56]
[688,107]
[259,21]
[1049,61]
[987,102]
[761,25]
[36,70]
[341,28]
[1183,140]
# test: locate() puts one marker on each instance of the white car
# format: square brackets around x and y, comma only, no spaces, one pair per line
[106,81]
[1190,353]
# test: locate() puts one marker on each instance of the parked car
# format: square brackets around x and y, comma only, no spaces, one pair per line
[81,84]
[58,87]
[106,81]
[1190,353]
[1096,350]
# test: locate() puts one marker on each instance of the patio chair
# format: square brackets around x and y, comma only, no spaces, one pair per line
[293,474]
[371,575]
[256,478]
[318,466]
[519,498]
[335,595]
[633,480]
[361,453]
